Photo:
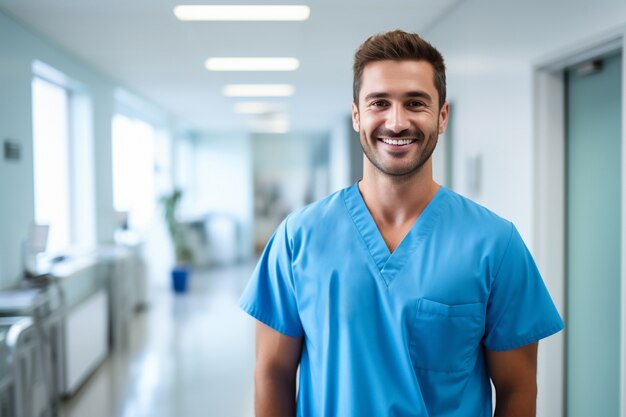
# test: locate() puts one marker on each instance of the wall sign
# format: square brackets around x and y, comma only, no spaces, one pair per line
[12,150]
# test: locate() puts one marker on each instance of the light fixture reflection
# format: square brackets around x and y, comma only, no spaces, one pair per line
[279,124]
[257,107]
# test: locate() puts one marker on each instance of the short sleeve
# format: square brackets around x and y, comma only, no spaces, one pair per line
[269,296]
[520,310]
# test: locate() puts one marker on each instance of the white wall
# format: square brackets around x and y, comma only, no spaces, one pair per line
[490,50]
[16,178]
[19,48]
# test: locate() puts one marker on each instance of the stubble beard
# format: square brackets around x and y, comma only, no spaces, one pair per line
[410,169]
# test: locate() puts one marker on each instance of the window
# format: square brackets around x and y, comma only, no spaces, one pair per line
[51,154]
[63,159]
[133,170]
[163,163]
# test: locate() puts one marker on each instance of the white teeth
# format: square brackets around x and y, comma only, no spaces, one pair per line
[397,141]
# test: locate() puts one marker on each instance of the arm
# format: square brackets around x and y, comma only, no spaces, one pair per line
[514,375]
[277,360]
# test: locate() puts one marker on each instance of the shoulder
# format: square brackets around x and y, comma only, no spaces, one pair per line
[483,235]
[473,219]
[314,221]
[316,213]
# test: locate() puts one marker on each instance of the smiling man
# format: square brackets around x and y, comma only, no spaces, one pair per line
[397,296]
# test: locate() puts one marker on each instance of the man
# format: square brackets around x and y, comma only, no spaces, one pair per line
[396,296]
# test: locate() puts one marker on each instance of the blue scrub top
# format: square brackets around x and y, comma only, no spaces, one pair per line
[402,333]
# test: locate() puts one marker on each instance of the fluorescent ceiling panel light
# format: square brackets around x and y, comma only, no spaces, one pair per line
[242,13]
[269,126]
[258,90]
[252,64]
[257,107]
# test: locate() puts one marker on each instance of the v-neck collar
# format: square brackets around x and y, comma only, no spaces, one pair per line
[389,264]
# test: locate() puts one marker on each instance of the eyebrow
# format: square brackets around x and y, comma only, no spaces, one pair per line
[410,94]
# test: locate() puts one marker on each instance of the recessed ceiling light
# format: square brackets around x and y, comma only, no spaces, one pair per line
[258,90]
[242,13]
[257,107]
[252,64]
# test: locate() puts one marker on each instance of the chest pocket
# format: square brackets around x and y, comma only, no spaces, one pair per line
[446,338]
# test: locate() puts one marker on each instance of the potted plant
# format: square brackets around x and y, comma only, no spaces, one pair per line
[182,251]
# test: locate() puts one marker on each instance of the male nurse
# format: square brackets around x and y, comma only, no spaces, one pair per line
[396,296]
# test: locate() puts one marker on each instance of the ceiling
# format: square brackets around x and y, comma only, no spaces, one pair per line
[142,45]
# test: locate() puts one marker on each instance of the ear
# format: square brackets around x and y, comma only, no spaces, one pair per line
[356,124]
[443,117]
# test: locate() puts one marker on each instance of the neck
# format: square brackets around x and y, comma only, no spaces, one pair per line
[397,200]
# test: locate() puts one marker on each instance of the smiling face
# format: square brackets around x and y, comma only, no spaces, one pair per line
[398,116]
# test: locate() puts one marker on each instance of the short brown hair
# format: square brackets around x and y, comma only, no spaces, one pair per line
[398,46]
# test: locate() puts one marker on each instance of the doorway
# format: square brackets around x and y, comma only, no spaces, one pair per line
[593,98]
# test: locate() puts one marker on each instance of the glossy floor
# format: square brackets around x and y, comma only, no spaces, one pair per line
[189,355]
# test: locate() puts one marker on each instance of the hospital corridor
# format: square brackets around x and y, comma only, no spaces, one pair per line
[177,179]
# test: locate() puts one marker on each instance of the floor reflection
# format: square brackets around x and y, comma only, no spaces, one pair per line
[189,355]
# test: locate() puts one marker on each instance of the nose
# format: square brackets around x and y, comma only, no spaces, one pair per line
[397,119]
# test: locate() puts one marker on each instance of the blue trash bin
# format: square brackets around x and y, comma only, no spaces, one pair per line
[180,278]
